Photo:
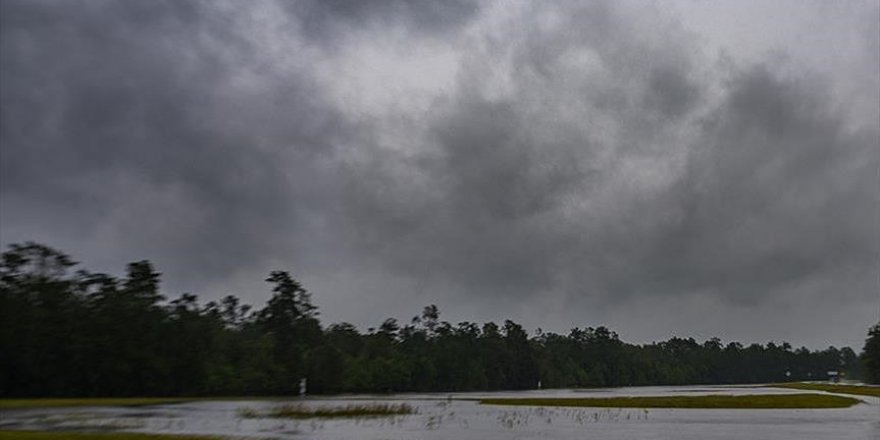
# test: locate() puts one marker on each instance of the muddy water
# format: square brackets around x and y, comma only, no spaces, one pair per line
[449,416]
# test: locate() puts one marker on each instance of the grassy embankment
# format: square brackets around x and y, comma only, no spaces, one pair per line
[282,411]
[860,390]
[41,435]
[51,402]
[88,401]
[756,401]
[298,411]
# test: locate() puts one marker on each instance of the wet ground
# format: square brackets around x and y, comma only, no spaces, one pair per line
[448,416]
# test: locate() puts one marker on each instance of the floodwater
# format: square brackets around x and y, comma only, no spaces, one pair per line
[448,416]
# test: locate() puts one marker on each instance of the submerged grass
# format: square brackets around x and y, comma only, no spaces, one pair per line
[300,411]
[756,401]
[49,435]
[860,390]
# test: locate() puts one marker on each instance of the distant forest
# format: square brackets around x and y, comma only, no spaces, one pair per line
[79,333]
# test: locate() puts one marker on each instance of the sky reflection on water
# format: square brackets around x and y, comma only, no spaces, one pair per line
[446,416]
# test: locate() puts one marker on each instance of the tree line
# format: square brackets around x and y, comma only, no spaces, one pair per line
[66,332]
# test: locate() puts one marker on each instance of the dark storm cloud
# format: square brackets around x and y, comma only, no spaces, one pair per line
[485,188]
[497,215]
[777,191]
[322,20]
[585,154]
[110,105]
[670,92]
[767,189]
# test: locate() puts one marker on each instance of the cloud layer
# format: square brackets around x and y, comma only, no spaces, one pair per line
[562,164]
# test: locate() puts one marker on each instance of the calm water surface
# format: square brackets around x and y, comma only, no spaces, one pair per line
[447,416]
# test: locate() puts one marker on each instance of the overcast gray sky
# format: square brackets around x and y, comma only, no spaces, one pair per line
[687,168]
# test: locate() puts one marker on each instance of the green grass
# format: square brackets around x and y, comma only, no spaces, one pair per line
[91,401]
[44,435]
[299,411]
[51,402]
[861,390]
[761,401]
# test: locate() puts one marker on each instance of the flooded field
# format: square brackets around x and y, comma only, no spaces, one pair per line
[454,416]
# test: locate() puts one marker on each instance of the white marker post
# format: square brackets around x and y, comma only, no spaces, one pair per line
[302,387]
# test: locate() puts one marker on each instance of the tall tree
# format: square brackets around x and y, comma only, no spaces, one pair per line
[871,355]
[39,311]
[291,320]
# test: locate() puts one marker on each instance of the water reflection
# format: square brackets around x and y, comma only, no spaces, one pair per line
[454,417]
